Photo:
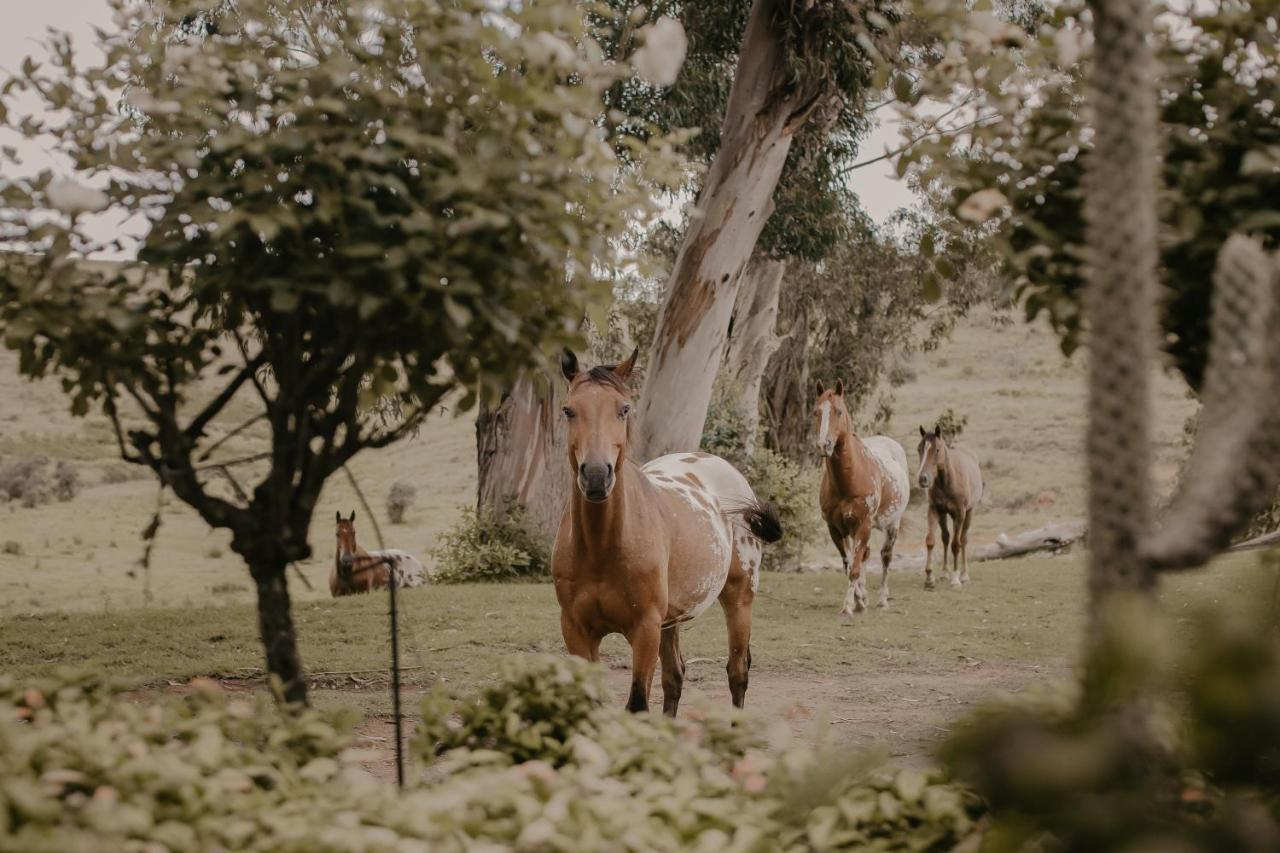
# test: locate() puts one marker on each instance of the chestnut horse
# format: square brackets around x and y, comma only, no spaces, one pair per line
[865,485]
[642,550]
[357,570]
[954,479]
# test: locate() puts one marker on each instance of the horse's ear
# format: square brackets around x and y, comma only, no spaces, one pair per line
[623,371]
[839,387]
[568,364]
[337,516]
[353,516]
[922,432]
[937,430]
[820,388]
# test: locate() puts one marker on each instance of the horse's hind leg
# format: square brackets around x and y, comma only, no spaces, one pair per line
[959,520]
[672,669]
[736,599]
[886,557]
[962,535]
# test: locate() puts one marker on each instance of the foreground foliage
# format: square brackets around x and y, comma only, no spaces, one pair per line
[1172,744]
[536,762]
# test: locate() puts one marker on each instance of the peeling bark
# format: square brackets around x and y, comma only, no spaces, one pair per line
[764,113]
[521,447]
[752,341]
[786,396]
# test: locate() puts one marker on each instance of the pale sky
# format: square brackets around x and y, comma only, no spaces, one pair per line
[27,21]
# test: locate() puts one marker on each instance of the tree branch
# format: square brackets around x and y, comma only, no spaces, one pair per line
[196,428]
[923,136]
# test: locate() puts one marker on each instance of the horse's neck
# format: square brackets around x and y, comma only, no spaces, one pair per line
[599,528]
[847,466]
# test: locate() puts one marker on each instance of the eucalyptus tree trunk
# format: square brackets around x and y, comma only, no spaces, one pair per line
[521,452]
[752,339]
[786,391]
[764,112]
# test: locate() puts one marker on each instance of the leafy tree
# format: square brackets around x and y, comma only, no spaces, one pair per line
[1019,169]
[354,210]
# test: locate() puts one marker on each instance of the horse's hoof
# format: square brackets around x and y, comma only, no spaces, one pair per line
[929,585]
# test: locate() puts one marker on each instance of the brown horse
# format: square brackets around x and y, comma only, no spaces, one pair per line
[643,549]
[357,570]
[954,481]
[865,485]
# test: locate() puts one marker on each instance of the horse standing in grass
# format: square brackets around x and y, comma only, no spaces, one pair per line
[642,550]
[865,485]
[357,570]
[953,478]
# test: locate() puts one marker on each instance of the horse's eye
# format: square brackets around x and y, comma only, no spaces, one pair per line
[568,412]
[624,411]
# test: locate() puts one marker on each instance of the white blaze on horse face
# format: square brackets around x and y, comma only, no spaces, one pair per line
[925,474]
[825,442]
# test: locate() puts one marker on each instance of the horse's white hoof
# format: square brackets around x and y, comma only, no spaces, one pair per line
[882,603]
[845,617]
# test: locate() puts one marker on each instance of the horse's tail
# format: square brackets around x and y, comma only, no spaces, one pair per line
[763,521]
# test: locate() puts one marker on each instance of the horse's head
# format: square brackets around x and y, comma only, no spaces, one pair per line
[346,534]
[598,409]
[933,452]
[830,417]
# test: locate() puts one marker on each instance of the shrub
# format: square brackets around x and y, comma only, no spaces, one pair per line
[789,486]
[482,547]
[951,422]
[399,499]
[86,768]
[707,782]
[66,481]
[12,548]
[1173,741]
[29,482]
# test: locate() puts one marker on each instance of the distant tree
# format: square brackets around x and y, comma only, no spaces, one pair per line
[354,209]
[1017,171]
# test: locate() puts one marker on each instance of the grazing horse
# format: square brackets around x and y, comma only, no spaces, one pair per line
[954,482]
[865,485]
[357,570]
[642,550]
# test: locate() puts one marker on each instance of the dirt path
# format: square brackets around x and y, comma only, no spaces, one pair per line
[909,712]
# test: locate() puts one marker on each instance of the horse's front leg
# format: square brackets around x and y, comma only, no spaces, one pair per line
[577,640]
[645,639]
[929,542]
[672,669]
[855,597]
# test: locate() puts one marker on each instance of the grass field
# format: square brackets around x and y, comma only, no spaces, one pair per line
[77,595]
[899,676]
[1023,400]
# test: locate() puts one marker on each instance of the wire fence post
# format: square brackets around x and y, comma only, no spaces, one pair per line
[395,677]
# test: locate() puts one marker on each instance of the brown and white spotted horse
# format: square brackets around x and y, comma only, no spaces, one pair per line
[865,487]
[357,570]
[642,550]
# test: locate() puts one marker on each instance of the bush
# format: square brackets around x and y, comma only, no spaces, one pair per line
[951,422]
[83,767]
[1172,742]
[790,487]
[481,547]
[29,482]
[399,499]
[709,783]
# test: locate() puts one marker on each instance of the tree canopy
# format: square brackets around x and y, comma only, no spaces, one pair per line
[1017,171]
[353,210]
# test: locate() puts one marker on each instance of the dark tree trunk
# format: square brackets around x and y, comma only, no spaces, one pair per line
[275,623]
[786,396]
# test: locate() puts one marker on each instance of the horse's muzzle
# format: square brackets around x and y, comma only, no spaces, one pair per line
[595,481]
[826,448]
[923,480]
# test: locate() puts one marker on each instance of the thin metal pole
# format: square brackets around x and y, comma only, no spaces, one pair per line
[395,677]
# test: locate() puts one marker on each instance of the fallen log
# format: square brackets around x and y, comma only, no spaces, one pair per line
[1053,538]
[1266,540]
